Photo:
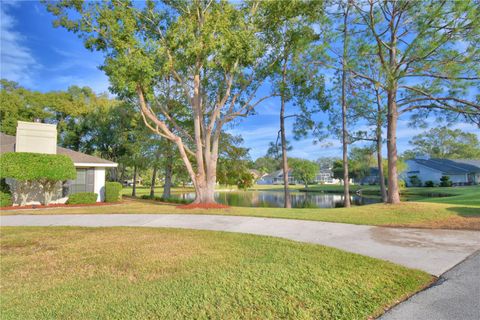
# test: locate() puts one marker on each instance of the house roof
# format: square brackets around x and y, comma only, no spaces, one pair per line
[7,144]
[448,166]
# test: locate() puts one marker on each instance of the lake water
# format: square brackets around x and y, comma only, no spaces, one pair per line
[276,199]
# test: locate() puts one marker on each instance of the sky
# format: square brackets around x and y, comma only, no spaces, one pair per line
[41,57]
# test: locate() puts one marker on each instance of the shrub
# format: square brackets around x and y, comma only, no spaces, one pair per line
[445,181]
[5,199]
[415,181]
[82,198]
[113,191]
[429,184]
[27,168]
[401,184]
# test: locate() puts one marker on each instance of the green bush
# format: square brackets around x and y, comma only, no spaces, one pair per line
[415,181]
[168,200]
[5,199]
[445,181]
[27,168]
[429,184]
[113,191]
[82,198]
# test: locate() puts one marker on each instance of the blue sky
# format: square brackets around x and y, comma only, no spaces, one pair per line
[44,58]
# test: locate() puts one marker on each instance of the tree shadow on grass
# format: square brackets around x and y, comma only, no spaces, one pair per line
[466,212]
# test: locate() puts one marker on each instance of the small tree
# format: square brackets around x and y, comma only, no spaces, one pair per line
[445,181]
[303,170]
[27,168]
[415,181]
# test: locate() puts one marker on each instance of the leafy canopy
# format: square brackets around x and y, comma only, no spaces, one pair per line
[443,142]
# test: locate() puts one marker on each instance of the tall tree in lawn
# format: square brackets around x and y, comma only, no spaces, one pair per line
[429,56]
[290,29]
[212,49]
[345,38]
[369,104]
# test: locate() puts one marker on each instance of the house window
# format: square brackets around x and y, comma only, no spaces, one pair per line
[84,181]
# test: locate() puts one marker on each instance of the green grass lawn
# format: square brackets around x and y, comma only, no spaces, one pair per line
[142,273]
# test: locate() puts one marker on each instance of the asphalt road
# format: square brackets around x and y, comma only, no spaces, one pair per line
[455,296]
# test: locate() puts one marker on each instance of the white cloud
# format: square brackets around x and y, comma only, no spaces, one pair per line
[16,60]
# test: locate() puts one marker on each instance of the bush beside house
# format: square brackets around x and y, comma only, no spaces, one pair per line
[445,181]
[82,198]
[28,169]
[113,191]
[5,199]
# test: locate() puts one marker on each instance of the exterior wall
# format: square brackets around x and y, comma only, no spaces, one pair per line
[422,172]
[99,184]
[36,137]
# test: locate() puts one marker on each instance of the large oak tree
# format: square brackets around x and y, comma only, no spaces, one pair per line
[212,50]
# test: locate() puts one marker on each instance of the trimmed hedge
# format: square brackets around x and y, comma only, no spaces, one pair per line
[26,166]
[82,198]
[5,199]
[169,200]
[113,191]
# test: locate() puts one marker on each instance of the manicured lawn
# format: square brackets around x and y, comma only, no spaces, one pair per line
[413,214]
[141,273]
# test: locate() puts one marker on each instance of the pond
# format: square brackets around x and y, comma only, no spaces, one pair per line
[274,198]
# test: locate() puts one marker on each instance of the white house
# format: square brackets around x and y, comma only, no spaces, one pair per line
[42,138]
[460,172]
[324,176]
[276,178]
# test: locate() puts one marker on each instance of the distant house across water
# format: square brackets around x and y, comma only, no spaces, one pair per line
[460,171]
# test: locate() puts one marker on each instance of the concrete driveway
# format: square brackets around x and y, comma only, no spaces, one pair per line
[433,251]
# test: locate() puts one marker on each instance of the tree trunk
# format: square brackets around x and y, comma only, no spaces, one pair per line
[346,179]
[205,191]
[287,202]
[381,175]
[152,184]
[167,186]
[393,189]
[134,188]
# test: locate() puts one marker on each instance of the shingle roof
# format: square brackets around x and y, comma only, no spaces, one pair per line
[7,144]
[448,166]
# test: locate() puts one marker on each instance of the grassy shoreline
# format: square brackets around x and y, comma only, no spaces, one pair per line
[59,272]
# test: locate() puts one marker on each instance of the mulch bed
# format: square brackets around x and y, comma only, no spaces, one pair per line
[203,206]
[59,205]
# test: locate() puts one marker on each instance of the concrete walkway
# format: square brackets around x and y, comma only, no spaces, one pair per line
[433,251]
[456,295]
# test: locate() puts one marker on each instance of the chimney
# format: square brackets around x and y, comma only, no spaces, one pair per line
[36,137]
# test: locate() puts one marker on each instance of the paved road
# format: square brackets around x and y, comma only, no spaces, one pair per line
[456,296]
[434,251]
